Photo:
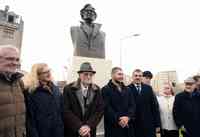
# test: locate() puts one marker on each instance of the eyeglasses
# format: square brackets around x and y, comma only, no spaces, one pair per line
[189,84]
[11,59]
[44,72]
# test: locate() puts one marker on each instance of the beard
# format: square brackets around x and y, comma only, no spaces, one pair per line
[87,82]
[138,81]
[120,82]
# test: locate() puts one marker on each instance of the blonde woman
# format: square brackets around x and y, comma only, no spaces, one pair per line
[45,103]
[166,101]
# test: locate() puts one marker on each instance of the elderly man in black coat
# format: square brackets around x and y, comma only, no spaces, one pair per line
[83,104]
[119,107]
[186,110]
[147,121]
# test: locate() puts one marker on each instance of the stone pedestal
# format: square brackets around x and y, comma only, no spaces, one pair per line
[101,66]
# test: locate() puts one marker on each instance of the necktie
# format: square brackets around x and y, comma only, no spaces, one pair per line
[138,89]
[84,92]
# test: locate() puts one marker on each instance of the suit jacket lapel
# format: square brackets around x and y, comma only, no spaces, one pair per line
[85,29]
[96,30]
[90,96]
[79,98]
[142,89]
[134,89]
[90,100]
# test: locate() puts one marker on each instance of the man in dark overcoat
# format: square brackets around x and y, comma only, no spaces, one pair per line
[186,110]
[119,107]
[147,122]
[83,104]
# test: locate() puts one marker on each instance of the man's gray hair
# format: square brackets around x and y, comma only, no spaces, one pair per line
[7,47]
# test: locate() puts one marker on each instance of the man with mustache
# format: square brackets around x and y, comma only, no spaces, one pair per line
[83,104]
[147,121]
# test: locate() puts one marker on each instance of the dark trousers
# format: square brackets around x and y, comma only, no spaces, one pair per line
[169,133]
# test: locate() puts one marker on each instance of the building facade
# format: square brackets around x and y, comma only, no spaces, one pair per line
[11,28]
[163,77]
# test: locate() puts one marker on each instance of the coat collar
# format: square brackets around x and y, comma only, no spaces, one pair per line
[10,77]
[96,29]
[164,95]
[194,93]
[77,85]
[133,85]
[50,87]
[111,84]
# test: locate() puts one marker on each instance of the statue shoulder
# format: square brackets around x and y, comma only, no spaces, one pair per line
[74,28]
[103,33]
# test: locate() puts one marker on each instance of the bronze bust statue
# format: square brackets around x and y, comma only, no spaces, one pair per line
[88,40]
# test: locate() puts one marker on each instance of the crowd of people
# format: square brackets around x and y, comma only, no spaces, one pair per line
[33,105]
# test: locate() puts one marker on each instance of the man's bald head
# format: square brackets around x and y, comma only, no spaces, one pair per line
[9,58]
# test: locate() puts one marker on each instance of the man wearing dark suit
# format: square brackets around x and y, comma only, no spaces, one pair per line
[147,121]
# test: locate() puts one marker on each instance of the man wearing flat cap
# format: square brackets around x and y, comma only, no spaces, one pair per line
[186,110]
[83,104]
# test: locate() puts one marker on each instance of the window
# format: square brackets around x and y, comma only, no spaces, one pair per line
[10,18]
[8,34]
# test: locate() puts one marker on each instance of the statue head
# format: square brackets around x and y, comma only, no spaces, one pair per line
[88,13]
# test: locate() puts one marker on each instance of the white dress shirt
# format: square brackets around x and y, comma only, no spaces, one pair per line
[84,90]
[138,87]
[166,114]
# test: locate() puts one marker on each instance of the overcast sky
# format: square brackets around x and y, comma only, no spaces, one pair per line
[169,32]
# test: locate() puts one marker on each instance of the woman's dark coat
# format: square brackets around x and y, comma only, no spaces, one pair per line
[46,113]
